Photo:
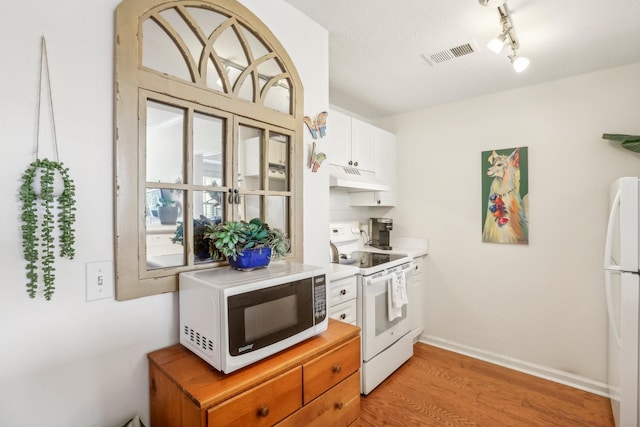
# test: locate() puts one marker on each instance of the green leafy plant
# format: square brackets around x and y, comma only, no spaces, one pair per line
[230,238]
[38,222]
[629,142]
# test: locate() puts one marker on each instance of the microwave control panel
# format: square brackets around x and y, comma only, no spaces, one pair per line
[320,298]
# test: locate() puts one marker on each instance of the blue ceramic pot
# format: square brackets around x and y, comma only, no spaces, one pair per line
[250,259]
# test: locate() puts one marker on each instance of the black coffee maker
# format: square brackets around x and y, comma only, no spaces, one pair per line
[380,228]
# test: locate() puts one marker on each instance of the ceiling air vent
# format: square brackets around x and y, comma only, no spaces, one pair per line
[451,53]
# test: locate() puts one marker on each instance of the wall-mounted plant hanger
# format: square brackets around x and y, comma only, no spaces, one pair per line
[44,183]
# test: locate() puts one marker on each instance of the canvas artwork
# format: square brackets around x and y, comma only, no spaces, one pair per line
[505,199]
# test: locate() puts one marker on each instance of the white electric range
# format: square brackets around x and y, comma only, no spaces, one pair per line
[386,343]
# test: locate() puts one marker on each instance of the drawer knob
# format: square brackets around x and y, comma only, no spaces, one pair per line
[343,292]
[339,405]
[343,316]
[337,369]
[264,411]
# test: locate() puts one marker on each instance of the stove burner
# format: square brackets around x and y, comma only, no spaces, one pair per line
[372,259]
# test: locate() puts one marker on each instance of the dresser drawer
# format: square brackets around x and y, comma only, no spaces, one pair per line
[345,312]
[263,405]
[342,290]
[338,407]
[324,372]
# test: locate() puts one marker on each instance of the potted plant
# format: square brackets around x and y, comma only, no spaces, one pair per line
[39,198]
[247,245]
[200,242]
[167,211]
[629,142]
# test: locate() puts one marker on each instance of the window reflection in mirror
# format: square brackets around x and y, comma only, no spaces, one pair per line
[277,213]
[278,162]
[249,158]
[208,150]
[163,215]
[165,142]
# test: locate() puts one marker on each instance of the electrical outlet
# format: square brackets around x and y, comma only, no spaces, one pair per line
[100,284]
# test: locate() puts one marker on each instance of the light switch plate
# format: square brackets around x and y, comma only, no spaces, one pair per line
[100,284]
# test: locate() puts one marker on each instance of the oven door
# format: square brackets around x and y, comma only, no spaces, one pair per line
[379,332]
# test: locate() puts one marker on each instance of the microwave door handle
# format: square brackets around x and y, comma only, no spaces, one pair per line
[615,208]
[379,279]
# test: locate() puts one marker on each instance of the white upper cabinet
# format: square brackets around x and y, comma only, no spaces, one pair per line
[385,169]
[350,142]
[363,149]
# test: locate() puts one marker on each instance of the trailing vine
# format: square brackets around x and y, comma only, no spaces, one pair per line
[31,214]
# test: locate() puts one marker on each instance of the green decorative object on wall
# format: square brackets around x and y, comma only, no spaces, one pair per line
[629,142]
[38,224]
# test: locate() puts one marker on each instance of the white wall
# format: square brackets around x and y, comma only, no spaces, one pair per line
[68,362]
[541,304]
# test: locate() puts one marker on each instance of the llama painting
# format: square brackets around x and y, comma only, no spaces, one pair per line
[505,205]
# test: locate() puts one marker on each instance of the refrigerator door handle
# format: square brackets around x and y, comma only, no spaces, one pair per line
[615,208]
[615,331]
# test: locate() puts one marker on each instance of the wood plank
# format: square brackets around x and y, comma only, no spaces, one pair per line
[438,387]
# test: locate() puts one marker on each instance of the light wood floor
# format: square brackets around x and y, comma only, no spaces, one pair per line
[440,388]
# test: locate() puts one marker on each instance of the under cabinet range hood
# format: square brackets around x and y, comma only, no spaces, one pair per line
[352,179]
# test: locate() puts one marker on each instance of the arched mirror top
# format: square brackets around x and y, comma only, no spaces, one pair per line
[208,127]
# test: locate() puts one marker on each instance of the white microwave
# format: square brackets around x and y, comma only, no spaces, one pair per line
[234,318]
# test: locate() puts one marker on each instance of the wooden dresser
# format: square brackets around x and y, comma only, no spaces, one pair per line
[314,383]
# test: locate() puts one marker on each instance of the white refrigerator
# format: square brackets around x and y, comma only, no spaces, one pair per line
[622,290]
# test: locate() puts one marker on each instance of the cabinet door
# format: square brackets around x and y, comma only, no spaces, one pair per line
[385,168]
[363,150]
[337,142]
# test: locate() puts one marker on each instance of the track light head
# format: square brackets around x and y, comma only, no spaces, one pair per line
[520,63]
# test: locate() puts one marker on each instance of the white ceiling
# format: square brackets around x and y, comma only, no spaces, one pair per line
[375,47]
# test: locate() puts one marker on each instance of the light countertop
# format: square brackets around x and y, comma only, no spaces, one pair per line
[413,247]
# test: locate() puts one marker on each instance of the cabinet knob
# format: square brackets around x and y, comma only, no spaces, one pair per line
[350,163]
[264,411]
[337,369]
[378,201]
[343,292]
[343,316]
[339,405]
[355,164]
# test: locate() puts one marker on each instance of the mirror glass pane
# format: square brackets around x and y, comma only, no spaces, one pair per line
[279,97]
[207,212]
[208,20]
[249,207]
[185,32]
[160,53]
[165,142]
[249,158]
[277,212]
[163,217]
[278,172]
[208,150]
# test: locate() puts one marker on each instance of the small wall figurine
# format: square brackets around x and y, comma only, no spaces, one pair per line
[317,127]
[316,159]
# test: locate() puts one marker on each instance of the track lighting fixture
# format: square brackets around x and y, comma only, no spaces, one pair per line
[496,45]
[520,63]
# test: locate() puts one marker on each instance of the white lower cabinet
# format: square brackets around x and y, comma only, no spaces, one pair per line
[417,290]
[342,299]
[345,312]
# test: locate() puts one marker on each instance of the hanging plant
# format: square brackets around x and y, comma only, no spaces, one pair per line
[38,222]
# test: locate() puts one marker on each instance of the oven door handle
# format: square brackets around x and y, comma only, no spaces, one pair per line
[379,279]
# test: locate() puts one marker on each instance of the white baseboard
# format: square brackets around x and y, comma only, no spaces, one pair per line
[562,377]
